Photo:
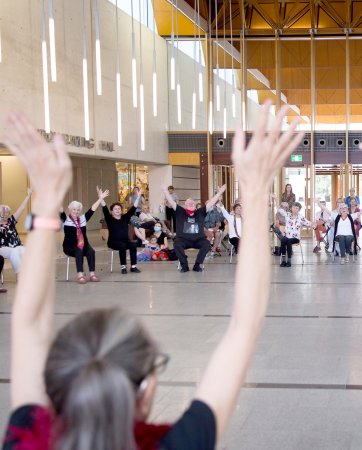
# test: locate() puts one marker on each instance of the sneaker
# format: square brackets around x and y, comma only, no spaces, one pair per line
[124,271]
[3,291]
[184,269]
[197,268]
[288,264]
[283,263]
[135,270]
[316,249]
[212,254]
[342,261]
[347,258]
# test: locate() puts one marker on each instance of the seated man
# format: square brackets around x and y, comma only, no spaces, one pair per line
[352,193]
[322,218]
[213,222]
[190,228]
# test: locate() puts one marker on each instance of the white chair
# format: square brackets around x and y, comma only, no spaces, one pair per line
[112,259]
[334,253]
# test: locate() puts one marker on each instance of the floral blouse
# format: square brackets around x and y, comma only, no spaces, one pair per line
[293,224]
[8,235]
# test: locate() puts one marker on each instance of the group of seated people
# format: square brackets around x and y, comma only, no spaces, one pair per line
[201,228]
[339,229]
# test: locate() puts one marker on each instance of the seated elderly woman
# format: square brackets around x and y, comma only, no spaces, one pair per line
[333,215]
[190,228]
[294,221]
[213,223]
[344,232]
[10,243]
[118,238]
[75,242]
[235,224]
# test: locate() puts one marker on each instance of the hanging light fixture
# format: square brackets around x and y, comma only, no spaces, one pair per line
[154,73]
[1,49]
[53,61]
[134,63]
[224,127]
[98,51]
[178,86]
[118,84]
[232,64]
[201,82]
[85,80]
[211,72]
[172,62]
[45,71]
[142,94]
[217,63]
[194,92]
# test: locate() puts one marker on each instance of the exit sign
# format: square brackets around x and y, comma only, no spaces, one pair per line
[297,158]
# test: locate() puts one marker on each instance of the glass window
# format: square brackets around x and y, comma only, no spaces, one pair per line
[146,11]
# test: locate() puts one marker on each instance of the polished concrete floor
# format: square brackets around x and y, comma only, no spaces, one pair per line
[304,389]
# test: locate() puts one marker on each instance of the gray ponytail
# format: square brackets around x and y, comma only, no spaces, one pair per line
[92,373]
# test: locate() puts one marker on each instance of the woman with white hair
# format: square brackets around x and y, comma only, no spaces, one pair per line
[75,242]
[10,243]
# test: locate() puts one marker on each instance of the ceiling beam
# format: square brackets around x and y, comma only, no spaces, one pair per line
[220,14]
[328,8]
[293,19]
[263,14]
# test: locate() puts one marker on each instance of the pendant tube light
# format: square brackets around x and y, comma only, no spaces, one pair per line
[1,48]
[45,71]
[224,124]
[85,80]
[194,91]
[172,61]
[134,62]
[178,86]
[53,59]
[217,62]
[232,64]
[201,81]
[142,93]
[154,69]
[98,51]
[118,84]
[211,74]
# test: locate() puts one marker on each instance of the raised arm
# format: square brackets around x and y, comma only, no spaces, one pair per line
[225,374]
[139,195]
[169,198]
[23,204]
[212,201]
[49,170]
[101,196]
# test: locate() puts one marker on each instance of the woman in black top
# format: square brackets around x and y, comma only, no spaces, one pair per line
[86,388]
[118,238]
[75,241]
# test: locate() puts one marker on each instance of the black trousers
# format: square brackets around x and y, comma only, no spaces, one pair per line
[235,243]
[171,217]
[286,245]
[79,254]
[122,247]
[181,244]
[2,260]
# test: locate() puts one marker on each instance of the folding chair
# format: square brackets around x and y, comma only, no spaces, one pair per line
[299,244]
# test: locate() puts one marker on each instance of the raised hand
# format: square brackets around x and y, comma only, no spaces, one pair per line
[256,165]
[48,164]
[221,190]
[104,194]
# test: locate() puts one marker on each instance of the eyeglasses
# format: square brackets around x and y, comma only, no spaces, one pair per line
[158,367]
[160,364]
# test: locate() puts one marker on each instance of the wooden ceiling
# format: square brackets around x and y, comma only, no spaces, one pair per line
[290,19]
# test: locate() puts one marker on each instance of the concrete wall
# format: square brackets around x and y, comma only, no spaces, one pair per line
[22,85]
[186,181]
